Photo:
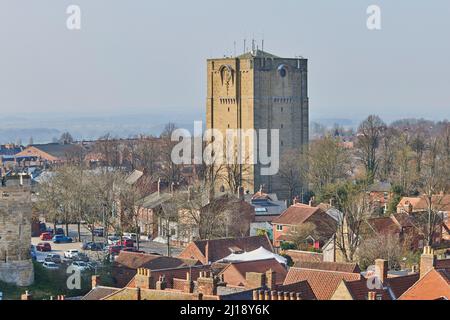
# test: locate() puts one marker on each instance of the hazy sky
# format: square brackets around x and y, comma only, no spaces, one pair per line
[140,56]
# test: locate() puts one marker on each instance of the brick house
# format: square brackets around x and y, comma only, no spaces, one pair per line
[323,283]
[389,288]
[440,203]
[209,251]
[254,274]
[53,153]
[126,264]
[171,284]
[299,214]
[434,281]
[399,225]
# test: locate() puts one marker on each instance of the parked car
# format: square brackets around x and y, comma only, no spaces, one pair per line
[50,265]
[98,232]
[53,257]
[81,265]
[132,249]
[59,238]
[114,249]
[80,257]
[43,246]
[71,253]
[132,236]
[59,231]
[92,246]
[126,243]
[46,236]
[33,253]
[113,240]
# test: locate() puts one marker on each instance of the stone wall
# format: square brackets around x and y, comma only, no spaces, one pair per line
[15,233]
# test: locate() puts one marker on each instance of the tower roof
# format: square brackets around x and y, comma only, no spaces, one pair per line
[257,54]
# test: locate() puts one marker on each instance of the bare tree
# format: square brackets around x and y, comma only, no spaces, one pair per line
[354,203]
[328,163]
[370,132]
[292,172]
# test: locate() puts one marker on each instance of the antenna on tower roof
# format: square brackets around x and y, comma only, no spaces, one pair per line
[262,44]
[234,49]
[245,49]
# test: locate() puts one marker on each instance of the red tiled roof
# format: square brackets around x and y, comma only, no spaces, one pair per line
[297,255]
[134,260]
[435,284]
[329,266]
[359,290]
[260,266]
[384,225]
[322,283]
[439,202]
[220,248]
[300,213]
[296,214]
[301,287]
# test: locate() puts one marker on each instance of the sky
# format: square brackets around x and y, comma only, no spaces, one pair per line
[145,56]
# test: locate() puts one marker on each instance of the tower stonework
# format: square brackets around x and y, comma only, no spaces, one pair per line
[258,90]
[16,266]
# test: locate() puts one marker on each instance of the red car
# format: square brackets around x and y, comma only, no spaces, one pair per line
[115,249]
[46,236]
[128,243]
[44,246]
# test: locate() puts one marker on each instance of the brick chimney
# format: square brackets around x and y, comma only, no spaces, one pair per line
[143,278]
[427,260]
[255,279]
[189,284]
[95,281]
[381,269]
[207,284]
[161,284]
[271,279]
[26,296]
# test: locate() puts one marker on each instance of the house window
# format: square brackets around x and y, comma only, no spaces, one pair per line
[282,126]
[279,227]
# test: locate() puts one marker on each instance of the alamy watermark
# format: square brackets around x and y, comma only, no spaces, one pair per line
[237,146]
[73,21]
[374,19]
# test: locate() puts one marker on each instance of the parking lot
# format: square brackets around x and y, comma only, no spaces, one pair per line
[59,248]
